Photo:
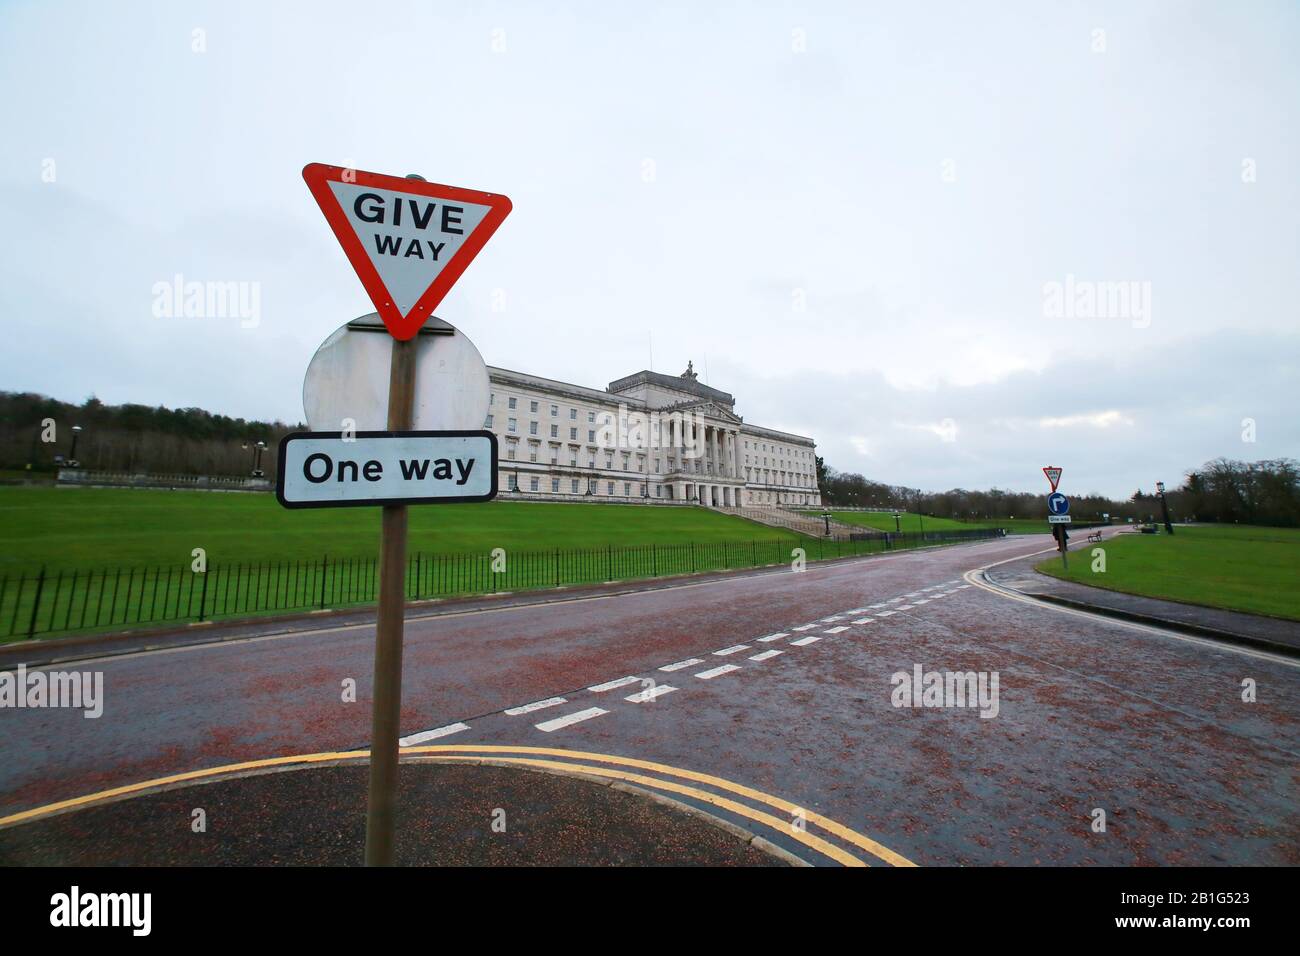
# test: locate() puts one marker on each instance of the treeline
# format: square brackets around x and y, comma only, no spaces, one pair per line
[131,438]
[1262,492]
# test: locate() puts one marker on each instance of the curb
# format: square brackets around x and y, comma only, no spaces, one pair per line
[1200,630]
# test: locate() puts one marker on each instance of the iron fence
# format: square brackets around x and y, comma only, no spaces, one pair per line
[64,601]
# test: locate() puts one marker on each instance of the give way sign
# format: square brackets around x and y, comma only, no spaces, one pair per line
[408,240]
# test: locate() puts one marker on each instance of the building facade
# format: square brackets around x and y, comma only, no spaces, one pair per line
[649,436]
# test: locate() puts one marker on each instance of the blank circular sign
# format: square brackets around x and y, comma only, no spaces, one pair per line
[346,386]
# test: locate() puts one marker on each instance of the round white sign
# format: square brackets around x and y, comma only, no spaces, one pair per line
[346,386]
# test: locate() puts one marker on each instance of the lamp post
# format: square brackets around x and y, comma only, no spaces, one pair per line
[1164,507]
[920,517]
[72,454]
[898,528]
[258,448]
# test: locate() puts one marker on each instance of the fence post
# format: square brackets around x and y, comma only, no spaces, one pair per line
[324,564]
[654,562]
[692,557]
[203,597]
[609,563]
[557,567]
[36,604]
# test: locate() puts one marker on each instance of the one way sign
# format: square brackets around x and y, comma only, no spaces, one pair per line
[408,240]
[333,469]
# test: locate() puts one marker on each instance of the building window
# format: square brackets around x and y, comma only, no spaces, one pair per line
[555,484]
[488,423]
[573,434]
[555,410]
[513,425]
[611,487]
[573,414]
[573,463]
[573,486]
[555,431]
[514,482]
[591,416]
[532,484]
[627,489]
[591,434]
[510,453]
[532,406]
[532,456]
[513,401]
[532,428]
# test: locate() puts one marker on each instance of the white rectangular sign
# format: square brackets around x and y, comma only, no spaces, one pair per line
[1058,519]
[327,469]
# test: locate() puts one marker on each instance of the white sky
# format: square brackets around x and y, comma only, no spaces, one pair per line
[921,354]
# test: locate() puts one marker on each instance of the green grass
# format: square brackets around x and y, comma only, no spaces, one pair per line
[119,558]
[911,522]
[109,527]
[1240,568]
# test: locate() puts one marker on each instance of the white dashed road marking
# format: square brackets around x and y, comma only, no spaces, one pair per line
[773,637]
[805,640]
[649,694]
[547,726]
[611,685]
[437,732]
[728,651]
[803,627]
[536,705]
[766,655]
[669,668]
[717,672]
[837,630]
[886,613]
[862,620]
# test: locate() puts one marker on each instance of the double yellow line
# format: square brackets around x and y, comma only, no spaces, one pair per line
[607,766]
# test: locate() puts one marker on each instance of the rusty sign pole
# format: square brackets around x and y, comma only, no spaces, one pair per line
[387,707]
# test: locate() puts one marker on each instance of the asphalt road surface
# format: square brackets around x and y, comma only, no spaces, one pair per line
[766,700]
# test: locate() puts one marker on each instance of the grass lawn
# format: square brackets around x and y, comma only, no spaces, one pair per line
[1241,568]
[116,558]
[884,521]
[111,527]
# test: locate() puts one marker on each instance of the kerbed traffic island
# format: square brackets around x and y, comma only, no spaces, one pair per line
[449,814]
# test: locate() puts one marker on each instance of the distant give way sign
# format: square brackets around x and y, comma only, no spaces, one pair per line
[408,240]
[332,469]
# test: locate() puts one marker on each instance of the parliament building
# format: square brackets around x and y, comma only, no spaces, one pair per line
[649,436]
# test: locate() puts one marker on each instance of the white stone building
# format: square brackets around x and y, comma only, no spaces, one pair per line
[649,436]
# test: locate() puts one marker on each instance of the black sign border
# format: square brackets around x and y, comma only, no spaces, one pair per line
[461,499]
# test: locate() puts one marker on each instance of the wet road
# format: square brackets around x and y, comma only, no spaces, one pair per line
[777,681]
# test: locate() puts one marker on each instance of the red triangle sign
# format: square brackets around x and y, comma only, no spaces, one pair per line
[1053,475]
[408,240]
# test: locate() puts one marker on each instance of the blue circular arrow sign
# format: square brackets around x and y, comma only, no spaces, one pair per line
[1058,504]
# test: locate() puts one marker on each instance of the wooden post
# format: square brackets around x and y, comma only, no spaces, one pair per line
[386,714]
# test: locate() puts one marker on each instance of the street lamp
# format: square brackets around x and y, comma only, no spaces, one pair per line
[258,448]
[1164,507]
[826,516]
[898,528]
[72,454]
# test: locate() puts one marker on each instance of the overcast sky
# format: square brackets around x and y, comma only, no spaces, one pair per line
[850,216]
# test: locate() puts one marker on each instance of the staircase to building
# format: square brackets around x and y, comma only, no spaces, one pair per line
[793,521]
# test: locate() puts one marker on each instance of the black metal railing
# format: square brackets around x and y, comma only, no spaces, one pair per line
[50,602]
